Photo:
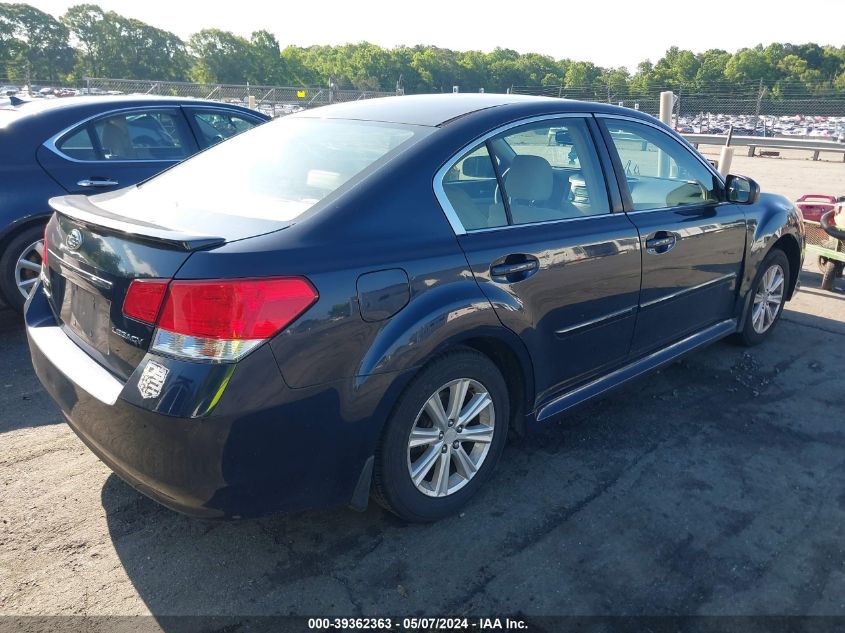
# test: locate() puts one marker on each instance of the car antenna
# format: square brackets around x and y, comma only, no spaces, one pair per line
[16,102]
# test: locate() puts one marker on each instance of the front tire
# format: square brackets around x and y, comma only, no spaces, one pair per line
[768,296]
[20,266]
[444,438]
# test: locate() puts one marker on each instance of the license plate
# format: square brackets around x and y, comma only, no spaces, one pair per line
[87,314]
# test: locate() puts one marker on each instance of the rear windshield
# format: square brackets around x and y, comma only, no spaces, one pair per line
[277,171]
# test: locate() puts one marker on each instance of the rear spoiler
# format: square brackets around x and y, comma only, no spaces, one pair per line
[81,209]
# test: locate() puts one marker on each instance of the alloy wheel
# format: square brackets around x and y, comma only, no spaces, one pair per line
[768,299]
[451,437]
[28,267]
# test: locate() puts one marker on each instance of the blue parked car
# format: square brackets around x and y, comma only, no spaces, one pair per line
[363,299]
[50,147]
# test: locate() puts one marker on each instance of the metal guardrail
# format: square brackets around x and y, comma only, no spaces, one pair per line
[773,142]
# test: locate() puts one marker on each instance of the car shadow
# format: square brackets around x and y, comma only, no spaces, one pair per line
[577,510]
[811,283]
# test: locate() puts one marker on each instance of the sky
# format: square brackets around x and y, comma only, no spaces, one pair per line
[609,33]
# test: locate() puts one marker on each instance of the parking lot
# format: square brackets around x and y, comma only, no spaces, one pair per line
[712,487]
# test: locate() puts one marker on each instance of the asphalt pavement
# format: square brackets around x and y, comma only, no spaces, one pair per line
[714,487]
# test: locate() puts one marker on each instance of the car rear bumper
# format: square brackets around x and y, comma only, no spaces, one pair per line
[260,447]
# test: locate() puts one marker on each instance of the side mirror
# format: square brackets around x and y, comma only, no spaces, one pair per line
[478,167]
[742,190]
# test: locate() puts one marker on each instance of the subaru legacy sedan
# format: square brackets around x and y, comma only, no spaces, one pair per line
[50,147]
[362,300]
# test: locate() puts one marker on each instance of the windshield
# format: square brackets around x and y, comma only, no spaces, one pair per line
[275,172]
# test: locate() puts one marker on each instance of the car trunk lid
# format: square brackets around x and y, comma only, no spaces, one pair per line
[96,247]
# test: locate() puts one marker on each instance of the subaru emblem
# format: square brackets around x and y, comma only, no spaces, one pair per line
[73,240]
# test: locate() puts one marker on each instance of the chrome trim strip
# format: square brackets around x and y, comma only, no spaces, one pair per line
[711,205]
[543,223]
[597,320]
[683,142]
[75,364]
[678,293]
[97,281]
[634,369]
[440,192]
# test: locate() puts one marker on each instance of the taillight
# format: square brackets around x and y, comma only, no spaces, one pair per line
[224,319]
[143,299]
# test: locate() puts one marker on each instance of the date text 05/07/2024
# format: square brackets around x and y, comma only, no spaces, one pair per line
[418,624]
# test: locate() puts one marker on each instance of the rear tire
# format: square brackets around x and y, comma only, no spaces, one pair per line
[444,438]
[768,296]
[19,265]
[829,275]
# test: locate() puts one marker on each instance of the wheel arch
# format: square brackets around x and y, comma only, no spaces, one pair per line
[9,233]
[22,224]
[789,245]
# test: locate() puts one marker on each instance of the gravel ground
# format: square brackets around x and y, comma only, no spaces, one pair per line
[712,487]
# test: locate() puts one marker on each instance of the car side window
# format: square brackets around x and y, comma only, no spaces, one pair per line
[471,186]
[140,135]
[218,126]
[550,171]
[79,145]
[660,172]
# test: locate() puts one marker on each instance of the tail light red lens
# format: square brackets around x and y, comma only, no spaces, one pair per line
[143,299]
[217,319]
[224,319]
[236,309]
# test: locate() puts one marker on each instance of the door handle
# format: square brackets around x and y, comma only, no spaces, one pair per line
[660,242]
[514,270]
[98,182]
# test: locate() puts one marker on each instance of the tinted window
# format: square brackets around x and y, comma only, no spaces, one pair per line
[78,145]
[276,171]
[471,187]
[218,126]
[550,172]
[660,171]
[151,135]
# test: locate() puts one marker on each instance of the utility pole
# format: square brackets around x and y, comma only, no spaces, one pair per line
[29,78]
[761,92]
[677,104]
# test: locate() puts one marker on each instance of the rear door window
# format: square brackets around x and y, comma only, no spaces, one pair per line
[539,172]
[550,171]
[137,135]
[471,187]
[79,145]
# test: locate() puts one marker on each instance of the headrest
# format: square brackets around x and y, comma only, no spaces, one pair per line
[529,178]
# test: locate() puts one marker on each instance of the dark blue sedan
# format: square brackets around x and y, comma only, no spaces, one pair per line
[363,299]
[88,145]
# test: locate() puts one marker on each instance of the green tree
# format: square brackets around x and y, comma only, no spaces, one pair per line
[751,64]
[220,57]
[267,67]
[34,41]
[676,69]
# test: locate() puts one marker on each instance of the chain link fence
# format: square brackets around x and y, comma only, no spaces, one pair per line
[751,109]
[274,100]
